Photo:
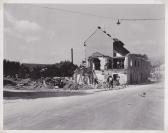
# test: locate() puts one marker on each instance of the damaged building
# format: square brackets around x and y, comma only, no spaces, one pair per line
[108,56]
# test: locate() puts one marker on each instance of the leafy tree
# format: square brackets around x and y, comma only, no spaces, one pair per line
[11,68]
[62,69]
[67,69]
[24,72]
[35,73]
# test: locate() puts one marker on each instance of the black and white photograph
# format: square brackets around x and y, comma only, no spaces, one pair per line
[83,66]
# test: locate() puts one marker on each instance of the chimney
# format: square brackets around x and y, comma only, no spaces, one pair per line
[72,55]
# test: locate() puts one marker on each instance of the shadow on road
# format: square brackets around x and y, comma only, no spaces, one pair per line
[34,95]
[147,83]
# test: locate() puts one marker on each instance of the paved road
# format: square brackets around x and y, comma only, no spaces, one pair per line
[117,109]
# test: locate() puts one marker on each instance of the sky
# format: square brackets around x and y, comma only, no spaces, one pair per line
[45,33]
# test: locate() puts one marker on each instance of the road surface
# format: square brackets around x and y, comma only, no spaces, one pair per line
[106,110]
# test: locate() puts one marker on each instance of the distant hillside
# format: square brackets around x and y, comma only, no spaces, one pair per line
[31,66]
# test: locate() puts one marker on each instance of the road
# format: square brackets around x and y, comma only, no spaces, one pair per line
[124,109]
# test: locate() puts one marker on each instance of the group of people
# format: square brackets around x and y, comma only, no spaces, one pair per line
[111,81]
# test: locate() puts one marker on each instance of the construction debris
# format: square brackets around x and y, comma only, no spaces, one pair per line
[74,86]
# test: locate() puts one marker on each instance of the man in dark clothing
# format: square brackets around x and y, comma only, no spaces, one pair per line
[96,81]
[110,82]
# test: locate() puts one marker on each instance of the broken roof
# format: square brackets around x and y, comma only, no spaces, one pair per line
[97,54]
[118,46]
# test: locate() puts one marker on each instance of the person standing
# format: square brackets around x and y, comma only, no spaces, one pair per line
[110,82]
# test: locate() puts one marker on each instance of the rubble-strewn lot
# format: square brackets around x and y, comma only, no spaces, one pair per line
[43,84]
[48,87]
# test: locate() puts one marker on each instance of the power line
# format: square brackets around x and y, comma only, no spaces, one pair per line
[142,19]
[79,13]
[99,16]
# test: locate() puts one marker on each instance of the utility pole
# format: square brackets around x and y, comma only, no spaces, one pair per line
[85,50]
[72,55]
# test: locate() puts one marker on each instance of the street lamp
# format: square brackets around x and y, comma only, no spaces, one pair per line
[118,22]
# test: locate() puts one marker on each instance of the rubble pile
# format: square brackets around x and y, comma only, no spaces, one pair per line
[29,84]
[102,85]
[43,83]
[9,82]
[86,87]
[71,86]
[74,86]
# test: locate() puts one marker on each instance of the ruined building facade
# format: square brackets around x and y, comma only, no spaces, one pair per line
[107,56]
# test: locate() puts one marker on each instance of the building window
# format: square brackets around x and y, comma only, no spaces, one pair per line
[109,64]
[118,63]
[138,63]
[96,63]
[135,63]
[131,63]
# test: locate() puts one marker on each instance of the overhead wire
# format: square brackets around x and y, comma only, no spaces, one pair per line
[100,16]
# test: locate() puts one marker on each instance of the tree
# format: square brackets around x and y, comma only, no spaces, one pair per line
[24,72]
[10,68]
[62,69]
[67,69]
[145,56]
[35,73]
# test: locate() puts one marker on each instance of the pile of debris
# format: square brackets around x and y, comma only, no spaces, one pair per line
[9,82]
[42,83]
[71,85]
[102,85]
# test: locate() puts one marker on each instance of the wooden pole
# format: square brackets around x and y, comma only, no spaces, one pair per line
[72,55]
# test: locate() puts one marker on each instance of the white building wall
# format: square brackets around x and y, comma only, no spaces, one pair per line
[99,42]
[102,62]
